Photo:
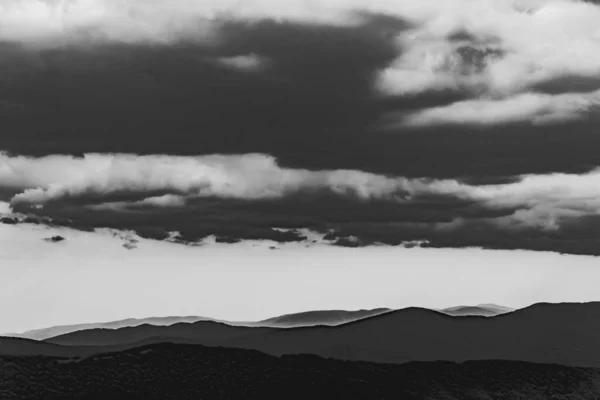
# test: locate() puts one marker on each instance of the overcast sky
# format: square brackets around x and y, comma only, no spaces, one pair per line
[452,124]
[467,123]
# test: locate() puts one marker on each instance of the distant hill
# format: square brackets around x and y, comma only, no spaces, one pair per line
[469,310]
[309,318]
[496,307]
[206,332]
[45,333]
[484,310]
[323,317]
[186,372]
[545,333]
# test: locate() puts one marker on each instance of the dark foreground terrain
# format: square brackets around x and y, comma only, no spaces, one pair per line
[179,371]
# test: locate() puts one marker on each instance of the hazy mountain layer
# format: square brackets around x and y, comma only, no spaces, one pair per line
[325,317]
[546,333]
[309,318]
[484,310]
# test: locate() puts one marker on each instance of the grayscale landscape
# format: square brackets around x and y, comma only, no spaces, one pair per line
[311,199]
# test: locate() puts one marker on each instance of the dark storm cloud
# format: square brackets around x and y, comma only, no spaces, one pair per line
[483,233]
[249,197]
[182,98]
[311,104]
[344,222]
[323,121]
[302,91]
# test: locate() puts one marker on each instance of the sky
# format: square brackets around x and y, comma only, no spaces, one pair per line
[91,277]
[444,125]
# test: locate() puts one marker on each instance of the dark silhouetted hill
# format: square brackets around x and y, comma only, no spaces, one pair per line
[546,333]
[10,346]
[170,371]
[203,332]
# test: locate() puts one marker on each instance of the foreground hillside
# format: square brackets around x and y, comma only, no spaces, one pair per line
[172,371]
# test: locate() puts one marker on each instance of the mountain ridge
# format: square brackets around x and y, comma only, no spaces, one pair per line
[321,317]
[325,317]
[545,333]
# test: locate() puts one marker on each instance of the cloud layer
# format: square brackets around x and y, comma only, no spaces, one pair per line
[492,47]
[534,107]
[312,92]
[371,122]
[253,189]
[248,177]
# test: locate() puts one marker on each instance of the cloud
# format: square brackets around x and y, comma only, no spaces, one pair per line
[231,118]
[247,62]
[67,22]
[164,201]
[190,98]
[546,200]
[252,197]
[535,107]
[506,50]
[55,239]
[37,181]
[531,48]
[97,181]
[323,74]
[58,22]
[524,31]
[4,207]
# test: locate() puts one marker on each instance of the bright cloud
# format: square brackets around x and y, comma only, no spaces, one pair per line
[518,44]
[515,44]
[541,200]
[535,107]
[250,176]
[248,62]
[4,208]
[526,31]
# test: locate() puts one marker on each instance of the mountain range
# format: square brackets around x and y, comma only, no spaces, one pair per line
[308,318]
[544,351]
[564,333]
